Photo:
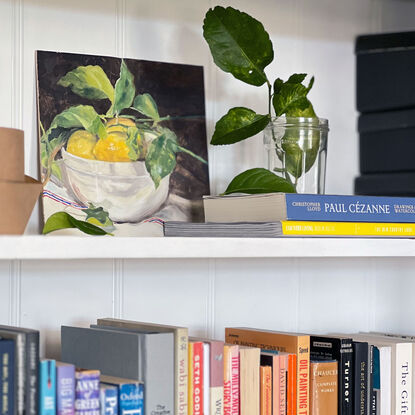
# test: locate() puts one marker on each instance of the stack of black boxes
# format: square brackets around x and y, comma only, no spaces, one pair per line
[386,102]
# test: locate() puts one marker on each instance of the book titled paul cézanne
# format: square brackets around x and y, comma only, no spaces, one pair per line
[299,344]
[273,207]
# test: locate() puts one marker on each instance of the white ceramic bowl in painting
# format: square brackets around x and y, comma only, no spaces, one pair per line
[124,189]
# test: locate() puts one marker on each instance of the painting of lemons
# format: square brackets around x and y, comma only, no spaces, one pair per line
[122,141]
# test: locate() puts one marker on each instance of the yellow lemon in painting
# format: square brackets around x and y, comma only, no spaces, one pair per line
[119,124]
[112,148]
[81,143]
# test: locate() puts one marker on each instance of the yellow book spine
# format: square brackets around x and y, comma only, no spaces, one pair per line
[347,228]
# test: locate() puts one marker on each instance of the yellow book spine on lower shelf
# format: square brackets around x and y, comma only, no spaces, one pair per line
[299,228]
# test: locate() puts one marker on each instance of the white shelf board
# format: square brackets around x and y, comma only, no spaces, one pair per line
[74,247]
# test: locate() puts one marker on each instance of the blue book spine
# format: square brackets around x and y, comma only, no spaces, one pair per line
[109,400]
[87,392]
[131,399]
[65,389]
[7,377]
[334,208]
[47,392]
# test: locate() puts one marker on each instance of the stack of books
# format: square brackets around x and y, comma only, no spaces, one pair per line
[299,215]
[252,372]
[387,114]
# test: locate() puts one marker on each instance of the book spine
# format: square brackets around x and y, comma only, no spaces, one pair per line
[206,378]
[216,378]
[47,397]
[65,389]
[266,391]
[7,377]
[87,392]
[403,378]
[360,357]
[235,380]
[328,348]
[131,399]
[292,385]
[20,372]
[108,397]
[276,385]
[32,373]
[283,385]
[158,368]
[197,378]
[190,379]
[303,375]
[323,387]
[181,341]
[345,378]
[349,208]
[347,228]
[229,356]
[249,384]
[372,392]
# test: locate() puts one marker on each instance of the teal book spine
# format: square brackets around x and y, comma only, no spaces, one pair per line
[47,394]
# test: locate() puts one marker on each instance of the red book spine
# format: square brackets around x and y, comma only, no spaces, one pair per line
[198,378]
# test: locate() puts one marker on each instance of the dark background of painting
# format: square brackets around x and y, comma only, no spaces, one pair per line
[177,89]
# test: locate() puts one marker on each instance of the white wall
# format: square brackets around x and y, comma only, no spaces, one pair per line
[314,36]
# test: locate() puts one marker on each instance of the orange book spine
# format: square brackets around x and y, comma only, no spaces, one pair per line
[303,376]
[292,385]
[266,390]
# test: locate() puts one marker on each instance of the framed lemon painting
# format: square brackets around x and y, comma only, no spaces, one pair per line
[122,141]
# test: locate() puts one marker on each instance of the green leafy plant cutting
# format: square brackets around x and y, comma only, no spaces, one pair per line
[116,136]
[241,46]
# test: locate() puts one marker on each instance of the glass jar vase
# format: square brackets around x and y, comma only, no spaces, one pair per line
[296,150]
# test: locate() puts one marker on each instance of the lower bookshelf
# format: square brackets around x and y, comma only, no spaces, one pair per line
[73,247]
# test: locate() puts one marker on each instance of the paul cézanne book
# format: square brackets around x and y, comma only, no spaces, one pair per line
[273,207]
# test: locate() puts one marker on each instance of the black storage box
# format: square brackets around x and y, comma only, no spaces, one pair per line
[385,73]
[392,184]
[387,141]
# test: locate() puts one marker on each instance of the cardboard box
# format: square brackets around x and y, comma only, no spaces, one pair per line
[11,154]
[18,193]
[17,200]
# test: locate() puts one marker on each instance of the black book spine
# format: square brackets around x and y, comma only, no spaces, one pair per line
[346,377]
[329,348]
[372,391]
[361,377]
[32,374]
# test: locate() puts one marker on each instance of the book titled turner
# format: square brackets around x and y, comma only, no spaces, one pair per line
[273,207]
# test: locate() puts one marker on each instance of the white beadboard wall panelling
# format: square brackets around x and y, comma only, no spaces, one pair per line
[259,293]
[169,292]
[395,286]
[6,278]
[55,293]
[335,295]
[6,63]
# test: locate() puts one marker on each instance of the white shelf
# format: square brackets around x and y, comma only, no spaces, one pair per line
[71,247]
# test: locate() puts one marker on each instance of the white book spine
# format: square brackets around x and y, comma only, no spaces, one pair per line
[206,378]
[385,356]
[403,378]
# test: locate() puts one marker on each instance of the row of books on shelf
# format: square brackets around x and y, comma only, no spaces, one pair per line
[294,215]
[127,367]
